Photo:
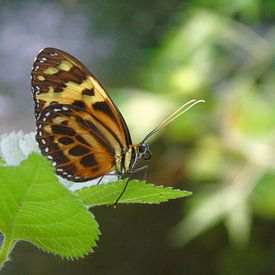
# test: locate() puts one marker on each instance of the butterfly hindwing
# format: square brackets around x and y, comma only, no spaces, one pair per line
[75,143]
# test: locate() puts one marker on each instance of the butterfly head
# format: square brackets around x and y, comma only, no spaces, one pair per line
[131,156]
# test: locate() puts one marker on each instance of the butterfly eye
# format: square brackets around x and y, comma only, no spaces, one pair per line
[147,155]
[144,150]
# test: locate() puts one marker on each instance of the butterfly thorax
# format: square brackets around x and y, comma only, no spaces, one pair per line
[128,159]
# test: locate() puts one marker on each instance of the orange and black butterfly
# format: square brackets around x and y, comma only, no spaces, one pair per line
[79,128]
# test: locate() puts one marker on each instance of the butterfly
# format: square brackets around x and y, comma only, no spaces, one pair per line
[79,127]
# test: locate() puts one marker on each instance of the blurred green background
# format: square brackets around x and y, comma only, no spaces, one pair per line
[152,57]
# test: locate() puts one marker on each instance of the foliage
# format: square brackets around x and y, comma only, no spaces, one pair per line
[36,208]
[212,56]
[39,209]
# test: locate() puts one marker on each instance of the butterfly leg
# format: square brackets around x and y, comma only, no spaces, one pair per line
[124,189]
[137,170]
[101,178]
[130,173]
[109,174]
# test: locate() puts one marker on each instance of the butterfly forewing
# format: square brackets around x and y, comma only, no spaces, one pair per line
[58,77]
[78,126]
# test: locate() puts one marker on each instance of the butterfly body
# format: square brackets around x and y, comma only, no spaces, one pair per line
[131,156]
[79,128]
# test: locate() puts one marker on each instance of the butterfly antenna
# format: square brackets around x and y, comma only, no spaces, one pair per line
[182,109]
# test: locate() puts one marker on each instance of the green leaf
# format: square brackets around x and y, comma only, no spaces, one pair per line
[136,192]
[35,207]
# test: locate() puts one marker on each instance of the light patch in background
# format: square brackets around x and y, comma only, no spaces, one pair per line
[144,114]
[26,30]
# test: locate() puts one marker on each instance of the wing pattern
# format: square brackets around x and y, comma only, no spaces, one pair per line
[79,128]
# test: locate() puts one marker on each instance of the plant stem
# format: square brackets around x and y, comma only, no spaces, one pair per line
[5,249]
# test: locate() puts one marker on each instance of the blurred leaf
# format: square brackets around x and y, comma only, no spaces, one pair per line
[184,68]
[238,224]
[223,204]
[209,211]
[251,113]
[206,163]
[263,196]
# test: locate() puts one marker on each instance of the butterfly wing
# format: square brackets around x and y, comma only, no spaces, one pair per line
[80,149]
[78,126]
[58,77]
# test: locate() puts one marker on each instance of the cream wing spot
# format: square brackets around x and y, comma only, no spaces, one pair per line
[65,66]
[53,54]
[51,70]
[51,90]
[41,78]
